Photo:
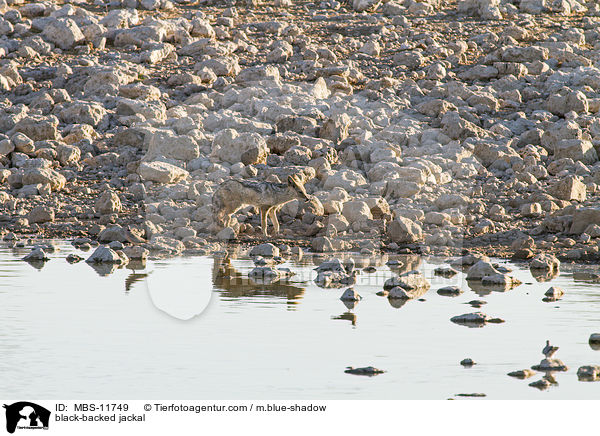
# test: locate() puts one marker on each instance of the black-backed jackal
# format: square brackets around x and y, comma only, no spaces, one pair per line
[269,197]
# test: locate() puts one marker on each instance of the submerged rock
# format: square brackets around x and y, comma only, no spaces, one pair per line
[445,271]
[450,291]
[476,319]
[74,258]
[367,370]
[522,373]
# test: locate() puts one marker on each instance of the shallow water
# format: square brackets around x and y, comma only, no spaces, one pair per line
[177,330]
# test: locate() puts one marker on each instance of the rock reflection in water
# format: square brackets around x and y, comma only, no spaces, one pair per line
[486,289]
[542,276]
[347,316]
[233,284]
[37,264]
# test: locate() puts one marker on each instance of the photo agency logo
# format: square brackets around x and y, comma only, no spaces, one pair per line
[26,415]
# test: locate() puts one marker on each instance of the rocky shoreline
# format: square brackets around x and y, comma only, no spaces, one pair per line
[418,126]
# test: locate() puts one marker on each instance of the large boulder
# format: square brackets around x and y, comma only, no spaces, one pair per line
[347,179]
[582,218]
[336,128]
[570,188]
[34,176]
[404,230]
[63,33]
[82,112]
[576,149]
[356,210]
[38,127]
[109,202]
[161,172]
[248,148]
[41,214]
[164,143]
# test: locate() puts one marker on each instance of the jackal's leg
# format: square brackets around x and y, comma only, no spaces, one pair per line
[263,219]
[273,215]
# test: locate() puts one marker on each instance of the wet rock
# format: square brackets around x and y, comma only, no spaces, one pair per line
[550,365]
[503,280]
[480,270]
[588,373]
[367,370]
[74,258]
[475,319]
[477,303]
[410,281]
[546,262]
[450,291]
[541,384]
[522,374]
[105,255]
[474,394]
[553,294]
[350,295]
[468,362]
[136,253]
[36,254]
[594,341]
[335,278]
[268,274]
[265,250]
[445,271]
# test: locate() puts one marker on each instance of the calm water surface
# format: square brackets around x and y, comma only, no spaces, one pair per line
[178,330]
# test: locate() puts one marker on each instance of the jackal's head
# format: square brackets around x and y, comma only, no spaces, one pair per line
[297,185]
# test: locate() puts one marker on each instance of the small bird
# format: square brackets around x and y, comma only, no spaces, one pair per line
[549,350]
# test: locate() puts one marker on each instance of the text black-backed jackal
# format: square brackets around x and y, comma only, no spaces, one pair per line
[269,197]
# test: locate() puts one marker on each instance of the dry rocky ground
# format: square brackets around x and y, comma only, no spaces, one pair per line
[425,125]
